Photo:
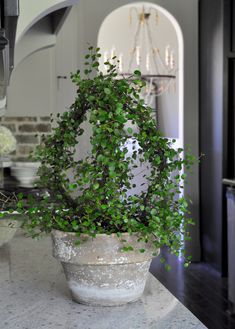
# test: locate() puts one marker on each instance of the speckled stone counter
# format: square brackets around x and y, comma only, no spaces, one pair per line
[34,295]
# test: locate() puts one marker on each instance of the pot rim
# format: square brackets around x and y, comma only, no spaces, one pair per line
[98,234]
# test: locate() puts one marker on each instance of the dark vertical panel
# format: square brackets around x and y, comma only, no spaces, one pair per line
[231,121]
[232,25]
[227,45]
[211,130]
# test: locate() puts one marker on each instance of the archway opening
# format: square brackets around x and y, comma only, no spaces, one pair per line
[116,35]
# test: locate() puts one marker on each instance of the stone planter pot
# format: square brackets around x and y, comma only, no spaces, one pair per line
[98,273]
[9,224]
[25,172]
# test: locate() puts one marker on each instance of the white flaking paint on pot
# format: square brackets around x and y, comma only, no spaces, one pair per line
[105,296]
[64,249]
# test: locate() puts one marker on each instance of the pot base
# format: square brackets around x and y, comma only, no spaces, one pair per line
[102,285]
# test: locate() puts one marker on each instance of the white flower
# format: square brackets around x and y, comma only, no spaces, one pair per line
[7,141]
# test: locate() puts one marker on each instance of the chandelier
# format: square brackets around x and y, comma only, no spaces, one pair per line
[157,70]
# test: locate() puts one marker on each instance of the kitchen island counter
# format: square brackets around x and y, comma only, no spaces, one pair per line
[34,295]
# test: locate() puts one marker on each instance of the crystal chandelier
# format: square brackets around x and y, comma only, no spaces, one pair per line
[157,70]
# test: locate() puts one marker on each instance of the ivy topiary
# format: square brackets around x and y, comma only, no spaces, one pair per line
[118,115]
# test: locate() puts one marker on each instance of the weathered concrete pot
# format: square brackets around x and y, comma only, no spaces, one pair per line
[98,273]
[9,224]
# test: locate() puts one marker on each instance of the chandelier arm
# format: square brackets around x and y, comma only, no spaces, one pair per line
[152,48]
[171,71]
[133,9]
[150,94]
[134,47]
[167,73]
[161,61]
[155,11]
[164,89]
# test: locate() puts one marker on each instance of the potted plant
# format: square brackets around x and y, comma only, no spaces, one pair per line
[104,231]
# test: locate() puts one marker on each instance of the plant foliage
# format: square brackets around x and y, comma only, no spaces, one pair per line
[117,114]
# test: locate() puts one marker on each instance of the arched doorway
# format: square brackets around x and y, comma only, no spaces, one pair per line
[116,34]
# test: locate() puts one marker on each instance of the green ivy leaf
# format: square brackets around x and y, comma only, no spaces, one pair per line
[137,72]
[107,91]
[96,186]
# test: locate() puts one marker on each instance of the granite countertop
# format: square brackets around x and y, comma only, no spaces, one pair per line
[34,295]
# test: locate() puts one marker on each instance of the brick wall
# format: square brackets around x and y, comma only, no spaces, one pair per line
[27,131]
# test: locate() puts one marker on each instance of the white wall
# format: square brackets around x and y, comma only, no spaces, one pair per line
[38,37]
[31,91]
[66,61]
[35,88]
